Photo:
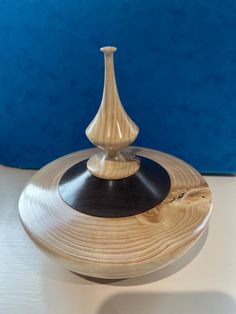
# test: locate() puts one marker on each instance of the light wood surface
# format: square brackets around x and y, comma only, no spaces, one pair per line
[201,281]
[112,130]
[116,247]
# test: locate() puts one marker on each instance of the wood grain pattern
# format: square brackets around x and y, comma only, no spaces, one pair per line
[112,130]
[116,247]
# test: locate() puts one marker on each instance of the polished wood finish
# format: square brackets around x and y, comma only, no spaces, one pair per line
[115,198]
[112,130]
[116,247]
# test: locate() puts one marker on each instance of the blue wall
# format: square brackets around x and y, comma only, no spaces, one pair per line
[175,66]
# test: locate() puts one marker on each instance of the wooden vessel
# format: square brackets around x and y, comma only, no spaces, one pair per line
[115,211]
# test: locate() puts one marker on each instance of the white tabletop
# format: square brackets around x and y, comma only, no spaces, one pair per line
[202,281]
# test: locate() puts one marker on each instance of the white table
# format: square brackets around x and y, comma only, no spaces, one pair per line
[203,281]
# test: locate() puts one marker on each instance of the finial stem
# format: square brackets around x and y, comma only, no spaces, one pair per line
[110,88]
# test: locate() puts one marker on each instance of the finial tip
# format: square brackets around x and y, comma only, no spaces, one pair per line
[108,49]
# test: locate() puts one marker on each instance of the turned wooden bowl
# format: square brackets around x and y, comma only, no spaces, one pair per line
[116,247]
[115,212]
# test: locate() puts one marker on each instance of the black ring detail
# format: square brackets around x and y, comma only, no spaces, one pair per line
[115,198]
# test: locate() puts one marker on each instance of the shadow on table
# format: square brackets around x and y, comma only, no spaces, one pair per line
[160,274]
[169,303]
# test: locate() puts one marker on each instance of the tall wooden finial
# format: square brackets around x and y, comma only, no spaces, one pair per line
[112,130]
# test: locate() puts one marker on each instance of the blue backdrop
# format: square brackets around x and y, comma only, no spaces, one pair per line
[175,68]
